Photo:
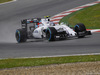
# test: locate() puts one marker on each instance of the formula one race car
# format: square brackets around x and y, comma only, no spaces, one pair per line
[37,28]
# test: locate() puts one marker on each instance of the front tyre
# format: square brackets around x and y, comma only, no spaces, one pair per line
[50,34]
[21,35]
[80,29]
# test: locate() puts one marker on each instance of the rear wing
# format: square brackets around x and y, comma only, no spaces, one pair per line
[25,22]
[33,20]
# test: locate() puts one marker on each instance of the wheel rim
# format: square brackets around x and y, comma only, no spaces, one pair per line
[48,36]
[77,28]
[18,36]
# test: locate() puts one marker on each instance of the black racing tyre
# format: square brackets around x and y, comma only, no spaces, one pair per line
[50,33]
[21,35]
[79,28]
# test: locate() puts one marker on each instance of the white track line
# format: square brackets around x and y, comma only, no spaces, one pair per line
[8,2]
[61,55]
[56,56]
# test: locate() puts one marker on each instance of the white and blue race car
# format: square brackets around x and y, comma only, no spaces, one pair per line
[37,28]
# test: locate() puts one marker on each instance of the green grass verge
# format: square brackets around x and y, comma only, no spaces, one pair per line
[90,16]
[26,62]
[2,1]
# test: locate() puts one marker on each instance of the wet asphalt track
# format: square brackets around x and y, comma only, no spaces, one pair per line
[12,13]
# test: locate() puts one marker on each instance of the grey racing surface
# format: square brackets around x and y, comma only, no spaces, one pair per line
[10,16]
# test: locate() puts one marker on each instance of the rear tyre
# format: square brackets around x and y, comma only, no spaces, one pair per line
[50,34]
[80,29]
[21,35]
